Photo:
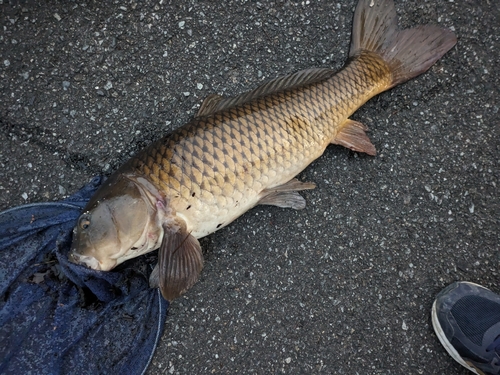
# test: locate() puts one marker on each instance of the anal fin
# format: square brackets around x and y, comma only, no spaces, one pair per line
[352,135]
[286,195]
[180,261]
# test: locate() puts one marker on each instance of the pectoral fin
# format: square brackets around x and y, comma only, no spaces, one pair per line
[180,262]
[154,278]
[286,195]
[352,135]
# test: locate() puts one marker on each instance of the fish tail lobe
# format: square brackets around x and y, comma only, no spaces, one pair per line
[408,53]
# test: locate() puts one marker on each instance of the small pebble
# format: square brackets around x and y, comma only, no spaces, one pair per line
[57,16]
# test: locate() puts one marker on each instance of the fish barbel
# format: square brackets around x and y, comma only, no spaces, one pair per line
[243,151]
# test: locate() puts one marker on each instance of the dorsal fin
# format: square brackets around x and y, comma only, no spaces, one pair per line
[214,103]
[208,105]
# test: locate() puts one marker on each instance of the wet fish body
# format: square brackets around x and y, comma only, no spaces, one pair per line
[243,151]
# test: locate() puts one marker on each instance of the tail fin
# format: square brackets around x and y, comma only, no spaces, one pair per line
[408,52]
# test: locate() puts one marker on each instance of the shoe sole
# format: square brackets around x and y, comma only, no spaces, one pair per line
[447,345]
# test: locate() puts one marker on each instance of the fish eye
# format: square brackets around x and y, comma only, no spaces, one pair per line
[84,222]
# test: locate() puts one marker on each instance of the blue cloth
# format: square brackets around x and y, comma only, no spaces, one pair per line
[57,317]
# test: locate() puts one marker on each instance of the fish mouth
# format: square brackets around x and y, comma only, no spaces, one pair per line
[86,260]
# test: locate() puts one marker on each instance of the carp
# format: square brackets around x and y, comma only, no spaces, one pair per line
[246,150]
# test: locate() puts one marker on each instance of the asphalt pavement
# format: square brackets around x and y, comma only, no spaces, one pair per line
[344,286]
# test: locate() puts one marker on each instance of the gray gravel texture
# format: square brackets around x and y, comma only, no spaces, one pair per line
[344,286]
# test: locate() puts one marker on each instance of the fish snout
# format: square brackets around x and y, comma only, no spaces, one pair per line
[89,261]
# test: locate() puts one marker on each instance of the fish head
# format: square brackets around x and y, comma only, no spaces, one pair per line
[119,223]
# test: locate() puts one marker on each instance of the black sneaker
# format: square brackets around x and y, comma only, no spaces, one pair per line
[466,319]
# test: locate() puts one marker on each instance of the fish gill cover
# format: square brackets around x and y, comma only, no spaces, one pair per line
[57,317]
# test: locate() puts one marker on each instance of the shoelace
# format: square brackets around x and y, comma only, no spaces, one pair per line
[495,345]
